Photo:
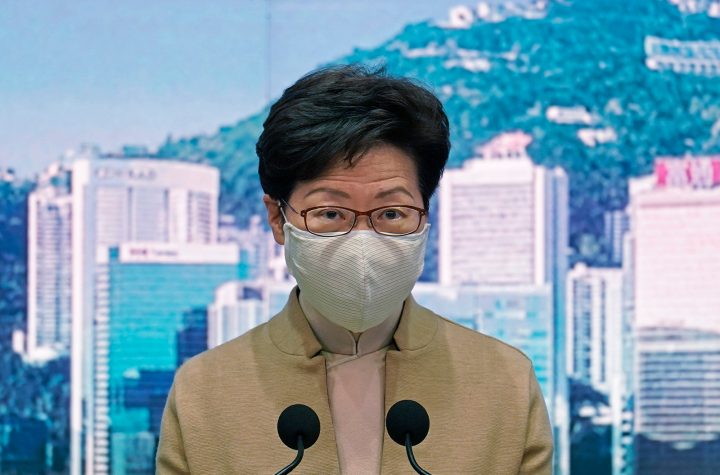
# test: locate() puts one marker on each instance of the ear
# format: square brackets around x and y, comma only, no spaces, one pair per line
[275,219]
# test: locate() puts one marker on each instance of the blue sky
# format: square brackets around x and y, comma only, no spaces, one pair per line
[135,71]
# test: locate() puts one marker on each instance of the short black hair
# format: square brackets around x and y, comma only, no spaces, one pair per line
[339,113]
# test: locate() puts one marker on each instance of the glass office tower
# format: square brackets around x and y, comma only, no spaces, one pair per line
[145,292]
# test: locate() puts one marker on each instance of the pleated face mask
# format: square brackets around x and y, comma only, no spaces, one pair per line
[356,280]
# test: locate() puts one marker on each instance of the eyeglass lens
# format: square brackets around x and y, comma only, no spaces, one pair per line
[392,220]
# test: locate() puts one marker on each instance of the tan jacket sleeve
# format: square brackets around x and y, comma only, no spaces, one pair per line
[170,458]
[537,458]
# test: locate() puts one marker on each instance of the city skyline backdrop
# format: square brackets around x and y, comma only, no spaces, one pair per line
[585,166]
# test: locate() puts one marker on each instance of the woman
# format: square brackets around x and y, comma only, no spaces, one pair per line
[349,159]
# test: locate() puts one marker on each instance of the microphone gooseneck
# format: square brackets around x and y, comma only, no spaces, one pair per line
[299,428]
[408,424]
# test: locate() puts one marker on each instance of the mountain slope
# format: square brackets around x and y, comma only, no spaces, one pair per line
[496,77]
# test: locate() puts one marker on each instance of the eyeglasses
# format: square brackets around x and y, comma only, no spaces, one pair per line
[331,221]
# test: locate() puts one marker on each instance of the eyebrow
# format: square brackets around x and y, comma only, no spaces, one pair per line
[391,191]
[328,190]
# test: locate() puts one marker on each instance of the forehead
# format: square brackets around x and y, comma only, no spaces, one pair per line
[382,165]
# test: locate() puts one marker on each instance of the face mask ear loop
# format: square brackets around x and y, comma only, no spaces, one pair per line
[282,212]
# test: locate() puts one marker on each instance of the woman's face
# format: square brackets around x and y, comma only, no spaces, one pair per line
[385,175]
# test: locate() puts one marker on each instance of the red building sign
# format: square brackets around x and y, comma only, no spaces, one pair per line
[695,172]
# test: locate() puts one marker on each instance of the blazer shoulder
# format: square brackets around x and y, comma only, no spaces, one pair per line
[230,354]
[476,344]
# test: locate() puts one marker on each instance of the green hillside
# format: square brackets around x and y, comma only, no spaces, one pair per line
[583,53]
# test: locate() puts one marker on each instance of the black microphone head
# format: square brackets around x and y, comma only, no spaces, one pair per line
[407,417]
[296,420]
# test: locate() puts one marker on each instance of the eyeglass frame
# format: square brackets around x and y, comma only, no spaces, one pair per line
[356,213]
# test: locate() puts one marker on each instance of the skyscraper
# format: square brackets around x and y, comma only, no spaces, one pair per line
[130,206]
[599,348]
[675,223]
[675,252]
[143,294]
[616,224]
[238,307]
[117,199]
[504,222]
[595,325]
[503,219]
[622,400]
[257,245]
[49,264]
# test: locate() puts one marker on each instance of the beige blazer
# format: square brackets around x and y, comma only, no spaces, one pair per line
[487,414]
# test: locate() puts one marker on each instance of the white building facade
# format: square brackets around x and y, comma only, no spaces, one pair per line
[49,263]
[117,199]
[238,307]
[595,325]
[503,219]
[675,252]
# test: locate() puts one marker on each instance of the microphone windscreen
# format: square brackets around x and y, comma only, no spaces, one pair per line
[407,417]
[296,420]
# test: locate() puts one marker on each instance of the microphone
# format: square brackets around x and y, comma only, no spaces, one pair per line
[408,424]
[298,427]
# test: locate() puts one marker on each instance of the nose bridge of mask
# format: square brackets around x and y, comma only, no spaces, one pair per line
[361,239]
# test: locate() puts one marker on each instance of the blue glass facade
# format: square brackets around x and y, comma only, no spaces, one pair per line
[143,310]
[192,338]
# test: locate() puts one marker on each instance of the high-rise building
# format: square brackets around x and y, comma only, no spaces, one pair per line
[238,307]
[504,222]
[116,199]
[595,325]
[675,223]
[265,257]
[616,224]
[675,252]
[677,395]
[599,349]
[621,396]
[134,205]
[49,263]
[145,292]
[257,245]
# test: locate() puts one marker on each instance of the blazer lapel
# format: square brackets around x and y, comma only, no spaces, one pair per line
[301,370]
[411,372]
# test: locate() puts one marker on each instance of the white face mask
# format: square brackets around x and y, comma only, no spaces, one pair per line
[356,280]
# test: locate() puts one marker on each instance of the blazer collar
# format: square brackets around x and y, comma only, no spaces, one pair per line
[291,333]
